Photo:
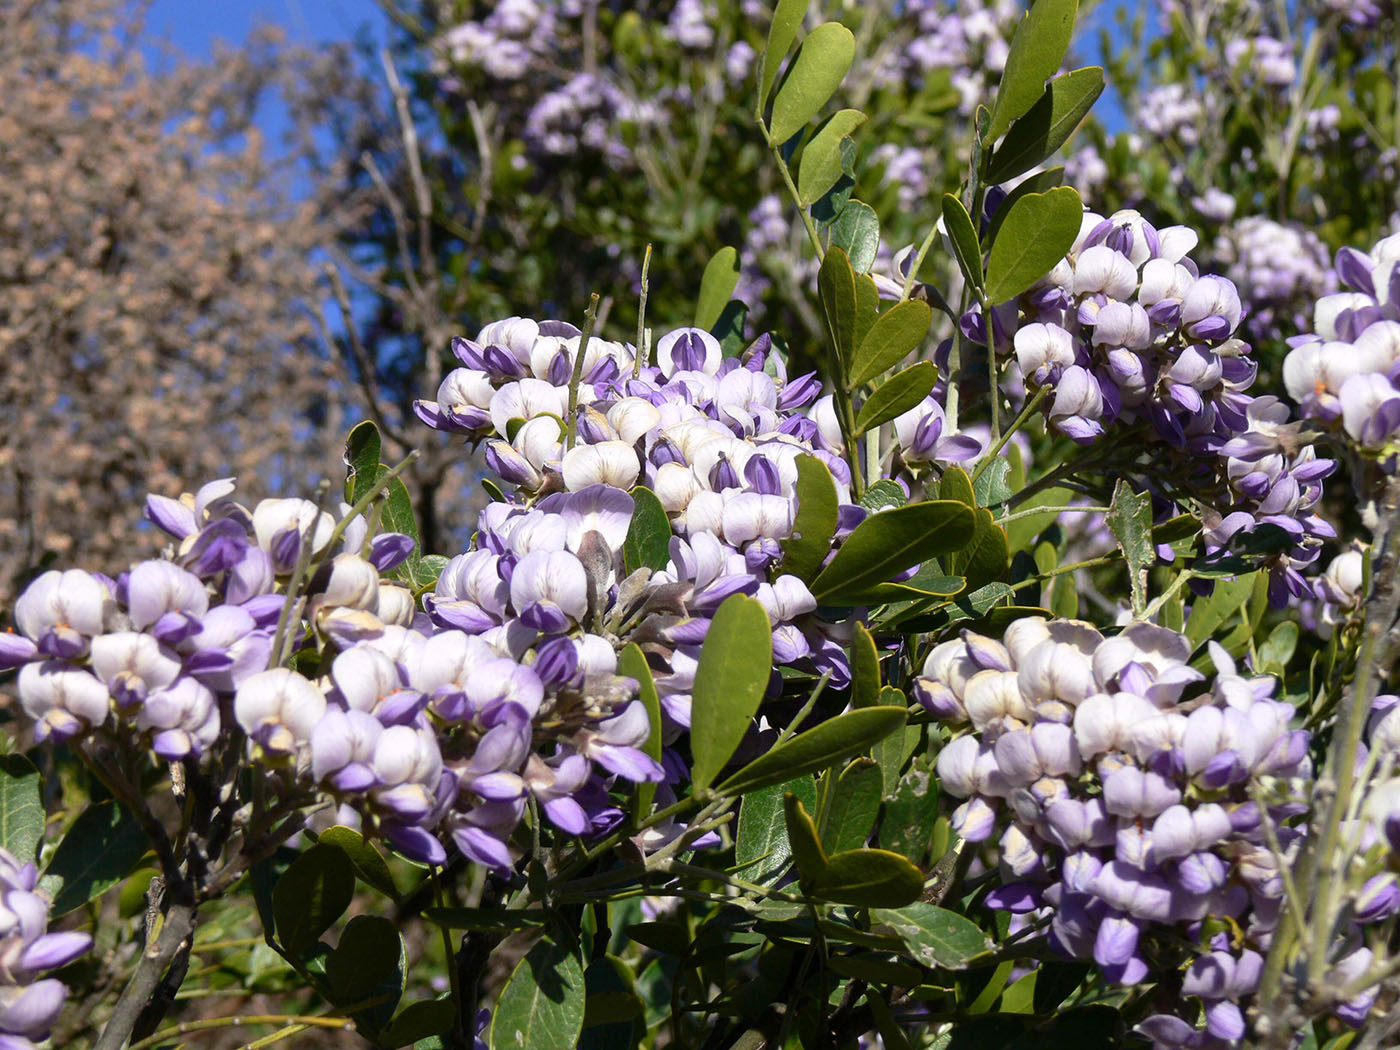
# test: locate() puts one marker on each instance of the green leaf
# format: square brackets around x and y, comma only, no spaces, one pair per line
[856,230]
[1057,981]
[367,963]
[648,536]
[1048,124]
[895,334]
[928,582]
[729,329]
[1039,229]
[884,493]
[735,664]
[934,936]
[1278,648]
[867,306]
[820,167]
[787,20]
[104,846]
[885,544]
[907,826]
[1020,532]
[364,857]
[310,896]
[892,752]
[1209,613]
[814,524]
[493,919]
[987,557]
[806,847]
[850,806]
[611,993]
[541,1006]
[420,1020]
[632,662]
[867,878]
[963,235]
[717,284]
[21,807]
[816,73]
[865,668]
[991,486]
[956,484]
[1040,182]
[836,288]
[761,848]
[1130,518]
[1037,49]
[820,747]
[363,448]
[897,395]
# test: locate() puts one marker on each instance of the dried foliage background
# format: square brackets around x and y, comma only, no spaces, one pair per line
[158,283]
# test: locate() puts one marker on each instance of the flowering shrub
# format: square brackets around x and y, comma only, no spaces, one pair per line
[952,693]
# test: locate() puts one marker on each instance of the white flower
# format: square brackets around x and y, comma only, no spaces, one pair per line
[606,463]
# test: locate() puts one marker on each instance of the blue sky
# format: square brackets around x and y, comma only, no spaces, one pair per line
[194,26]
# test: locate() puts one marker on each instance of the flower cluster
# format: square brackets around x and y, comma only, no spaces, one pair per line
[714,438]
[29,1007]
[147,656]
[1281,269]
[1123,788]
[1125,329]
[1344,373]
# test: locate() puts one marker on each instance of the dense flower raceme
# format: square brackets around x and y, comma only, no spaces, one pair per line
[423,731]
[29,1006]
[715,439]
[1344,373]
[1125,331]
[1121,788]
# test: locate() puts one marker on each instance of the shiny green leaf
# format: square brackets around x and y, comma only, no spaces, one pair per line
[963,236]
[814,524]
[807,851]
[1039,229]
[717,284]
[817,71]
[836,288]
[886,544]
[884,493]
[21,808]
[820,167]
[895,334]
[542,1004]
[632,662]
[1037,183]
[735,663]
[368,963]
[852,733]
[787,20]
[310,896]
[648,542]
[856,230]
[1037,48]
[1130,519]
[934,936]
[1048,124]
[101,848]
[868,878]
[897,395]
[364,857]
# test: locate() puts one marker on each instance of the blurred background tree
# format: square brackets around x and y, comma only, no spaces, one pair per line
[157,321]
